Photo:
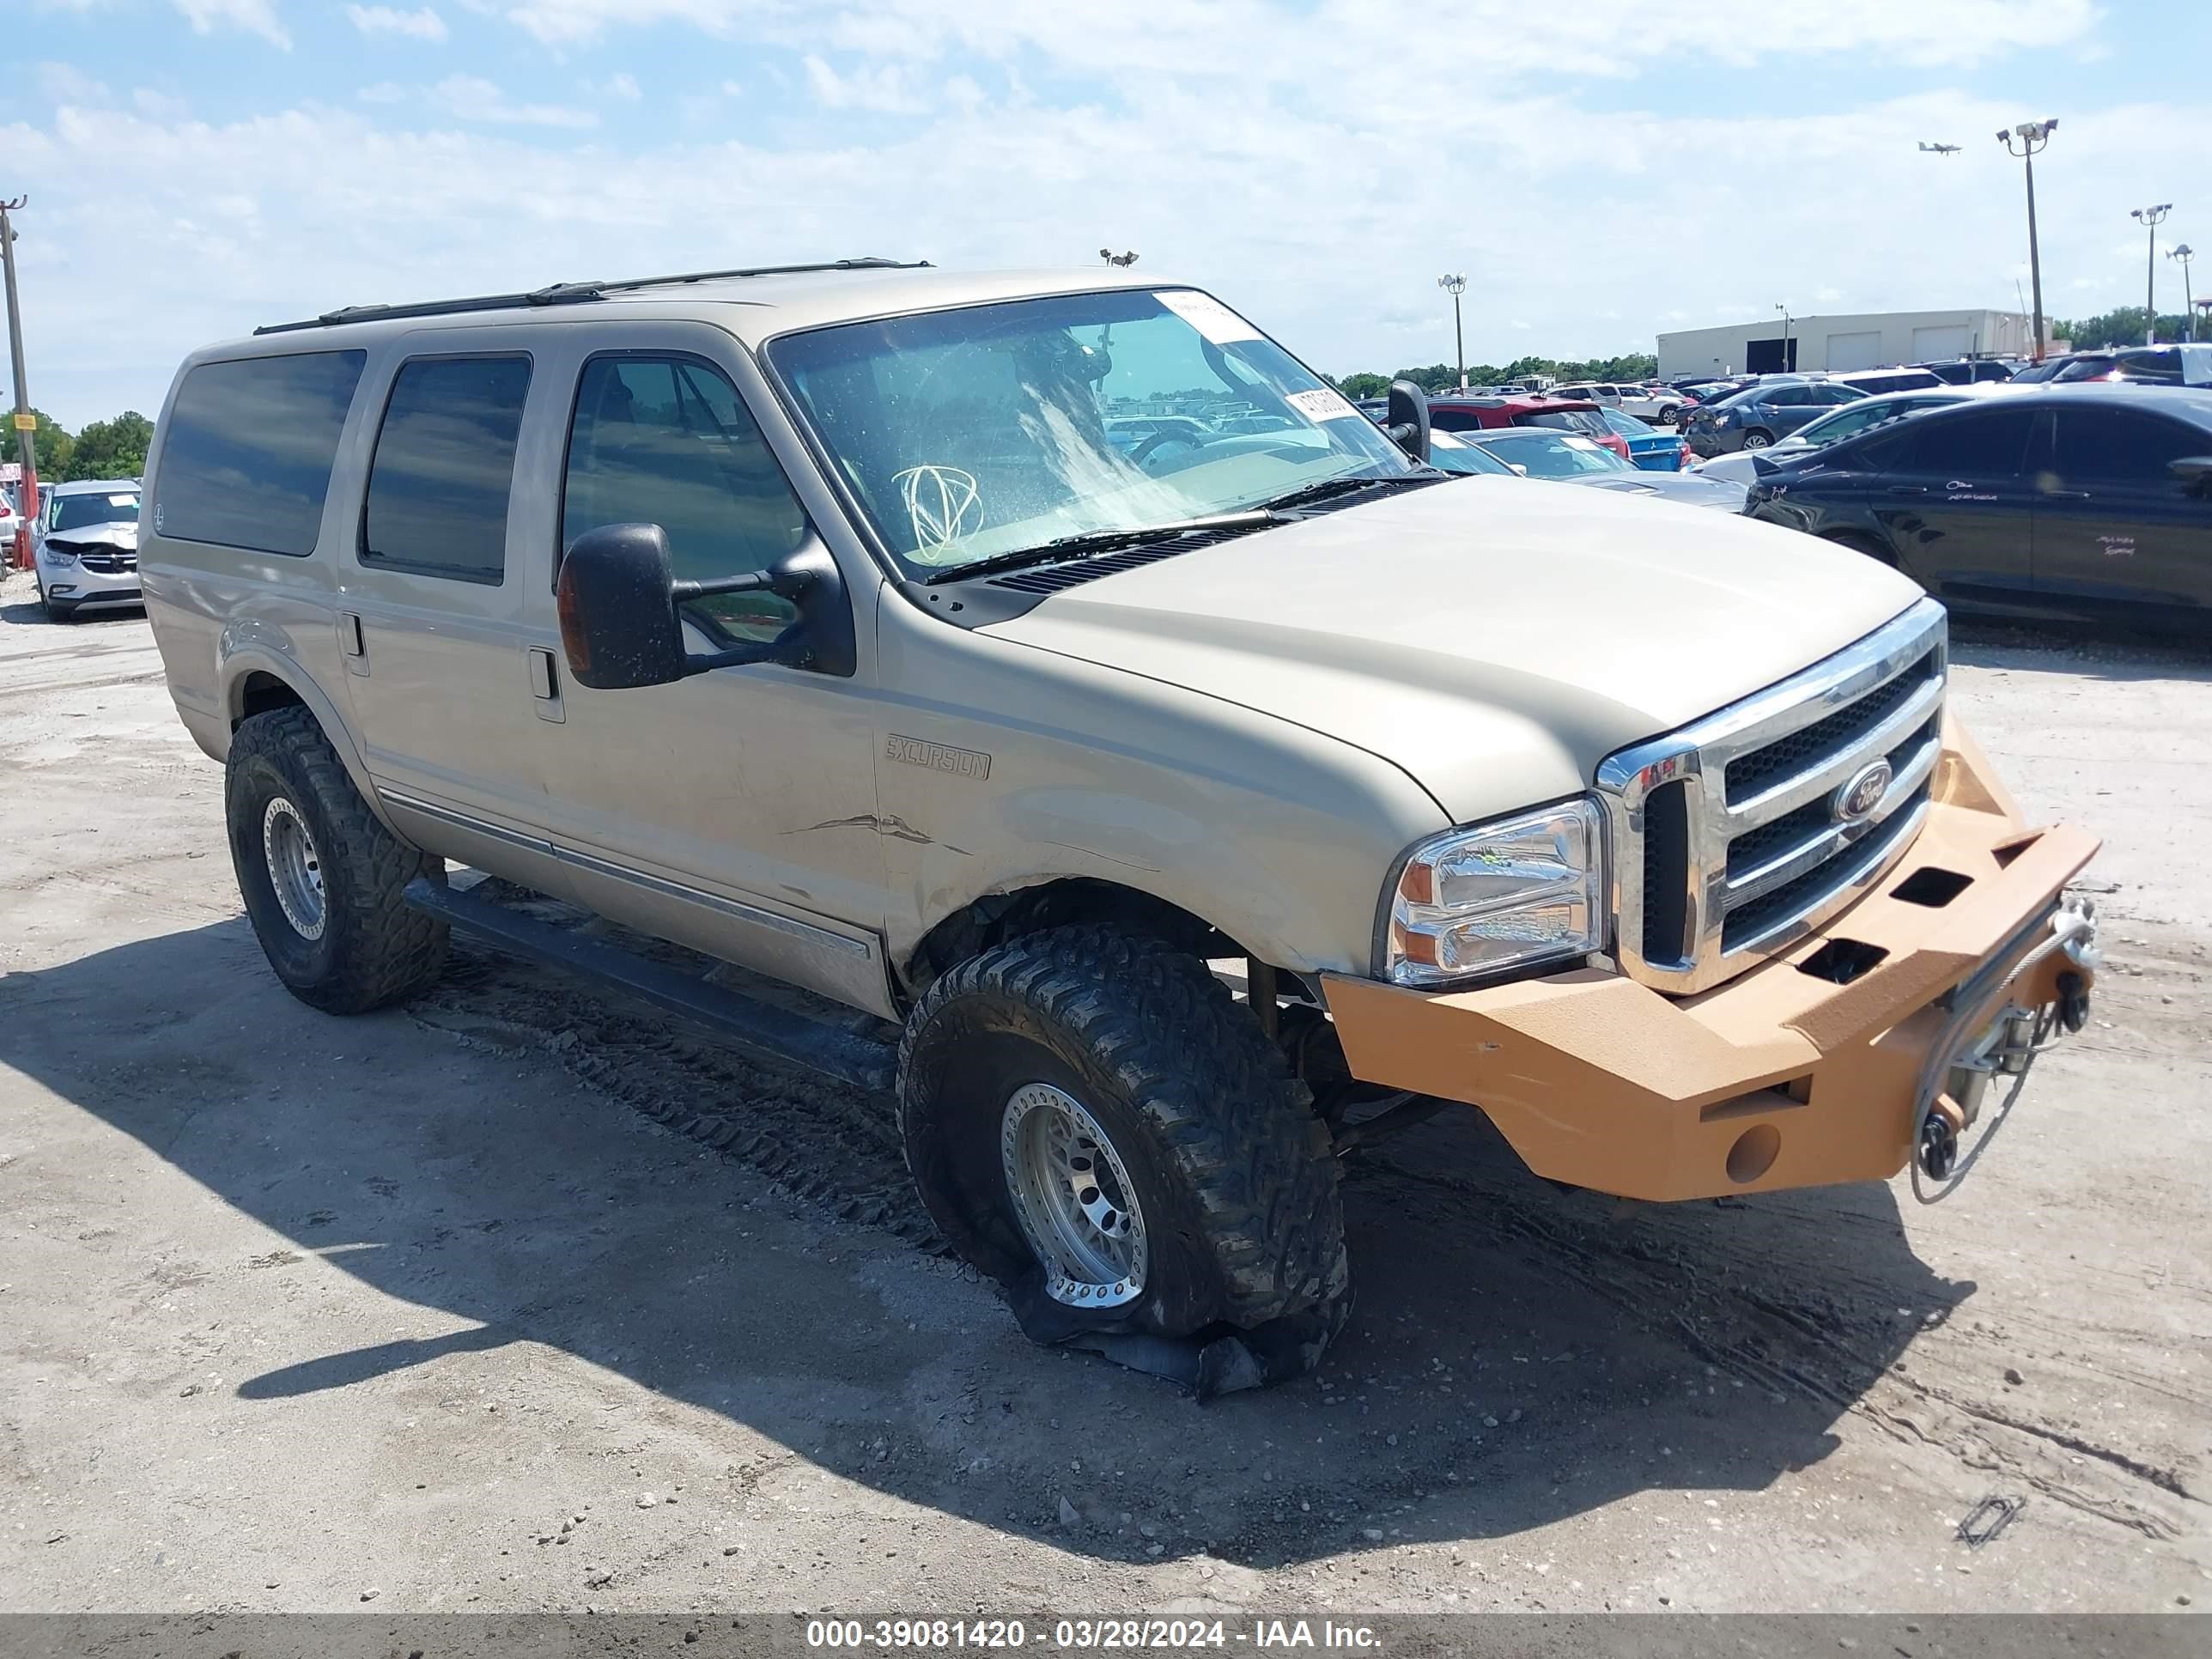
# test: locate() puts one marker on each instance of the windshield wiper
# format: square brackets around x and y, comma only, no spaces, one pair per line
[1086,542]
[1322,489]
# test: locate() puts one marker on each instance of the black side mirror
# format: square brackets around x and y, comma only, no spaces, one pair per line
[2195,472]
[1407,423]
[617,600]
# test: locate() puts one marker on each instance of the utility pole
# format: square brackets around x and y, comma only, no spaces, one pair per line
[27,424]
[1788,364]
[1455,284]
[2151,218]
[2033,136]
[2184,253]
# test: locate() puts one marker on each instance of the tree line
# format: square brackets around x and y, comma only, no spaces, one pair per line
[104,449]
[1443,377]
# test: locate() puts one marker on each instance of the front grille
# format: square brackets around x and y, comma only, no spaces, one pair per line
[108,563]
[1731,835]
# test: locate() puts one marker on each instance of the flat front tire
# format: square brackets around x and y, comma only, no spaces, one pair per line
[1091,1118]
[321,875]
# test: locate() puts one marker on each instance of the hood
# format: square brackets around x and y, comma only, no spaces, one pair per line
[124,535]
[1493,641]
[1690,490]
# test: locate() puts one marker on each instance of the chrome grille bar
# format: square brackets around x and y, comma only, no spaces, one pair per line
[1898,676]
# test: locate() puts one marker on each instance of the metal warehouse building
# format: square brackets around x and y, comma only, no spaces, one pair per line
[1869,340]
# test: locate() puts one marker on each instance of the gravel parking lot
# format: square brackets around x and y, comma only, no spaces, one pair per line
[442,1307]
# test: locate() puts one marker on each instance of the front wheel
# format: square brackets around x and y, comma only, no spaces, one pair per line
[1094,1121]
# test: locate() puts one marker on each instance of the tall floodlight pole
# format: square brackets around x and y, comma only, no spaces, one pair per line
[1787,365]
[2183,252]
[27,423]
[1455,284]
[2033,136]
[2151,218]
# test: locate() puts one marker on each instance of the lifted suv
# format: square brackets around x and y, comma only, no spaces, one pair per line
[1198,807]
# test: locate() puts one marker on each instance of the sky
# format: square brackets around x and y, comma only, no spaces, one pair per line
[1601,171]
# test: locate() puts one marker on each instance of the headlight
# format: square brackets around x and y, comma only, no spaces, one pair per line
[1497,895]
[56,555]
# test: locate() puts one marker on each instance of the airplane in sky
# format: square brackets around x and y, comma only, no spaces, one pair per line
[1939,149]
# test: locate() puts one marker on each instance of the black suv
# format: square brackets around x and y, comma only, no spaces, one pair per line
[2093,501]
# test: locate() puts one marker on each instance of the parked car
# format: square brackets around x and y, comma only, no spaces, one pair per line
[2182,365]
[84,546]
[2086,500]
[808,618]
[1874,381]
[1454,452]
[10,522]
[1642,402]
[1570,457]
[1683,396]
[1744,465]
[1971,371]
[1461,412]
[1649,448]
[1755,417]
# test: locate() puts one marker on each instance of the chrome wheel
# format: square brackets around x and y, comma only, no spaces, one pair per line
[1072,1196]
[296,867]
[1756,440]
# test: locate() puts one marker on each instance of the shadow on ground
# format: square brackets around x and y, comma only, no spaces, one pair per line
[1519,1355]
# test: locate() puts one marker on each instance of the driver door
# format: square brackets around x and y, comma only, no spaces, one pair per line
[734,811]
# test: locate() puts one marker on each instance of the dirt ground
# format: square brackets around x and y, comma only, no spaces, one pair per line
[438,1307]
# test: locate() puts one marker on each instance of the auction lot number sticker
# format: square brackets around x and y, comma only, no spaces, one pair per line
[1084,1635]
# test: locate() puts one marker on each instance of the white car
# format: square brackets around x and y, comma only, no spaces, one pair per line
[85,546]
[1629,399]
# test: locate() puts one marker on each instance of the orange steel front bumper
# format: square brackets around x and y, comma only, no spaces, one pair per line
[1777,1078]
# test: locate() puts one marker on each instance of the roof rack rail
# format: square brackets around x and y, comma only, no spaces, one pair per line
[562,294]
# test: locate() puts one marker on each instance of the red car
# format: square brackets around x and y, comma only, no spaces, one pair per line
[1454,413]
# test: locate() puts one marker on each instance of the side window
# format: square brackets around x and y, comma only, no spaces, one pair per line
[1836,394]
[667,440]
[1454,420]
[2119,446]
[444,467]
[247,450]
[1858,420]
[1978,447]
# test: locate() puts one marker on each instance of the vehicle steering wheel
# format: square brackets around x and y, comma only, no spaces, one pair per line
[1143,451]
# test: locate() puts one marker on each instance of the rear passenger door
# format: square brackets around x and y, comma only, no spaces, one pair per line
[2115,529]
[429,607]
[734,811]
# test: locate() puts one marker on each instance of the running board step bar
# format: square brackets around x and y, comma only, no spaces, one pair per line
[765,1032]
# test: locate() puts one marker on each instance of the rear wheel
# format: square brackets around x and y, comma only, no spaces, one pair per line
[1096,1123]
[321,876]
[1757,438]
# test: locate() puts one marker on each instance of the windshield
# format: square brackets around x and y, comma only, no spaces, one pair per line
[984,431]
[75,512]
[1628,426]
[1566,420]
[1547,455]
[1455,454]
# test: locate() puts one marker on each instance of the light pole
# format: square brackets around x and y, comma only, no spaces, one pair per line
[2151,218]
[26,424]
[2033,136]
[1786,364]
[1455,284]
[2183,252]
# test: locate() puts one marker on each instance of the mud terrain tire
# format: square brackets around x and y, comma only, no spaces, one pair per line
[362,946]
[1233,1174]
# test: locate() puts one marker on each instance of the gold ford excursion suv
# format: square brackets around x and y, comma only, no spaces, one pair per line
[1055,666]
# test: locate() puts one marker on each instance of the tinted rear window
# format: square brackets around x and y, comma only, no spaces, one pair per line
[247,450]
[444,466]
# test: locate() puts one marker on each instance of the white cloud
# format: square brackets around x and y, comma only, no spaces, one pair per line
[421,25]
[384,91]
[472,97]
[65,84]
[885,88]
[254,16]
[623,86]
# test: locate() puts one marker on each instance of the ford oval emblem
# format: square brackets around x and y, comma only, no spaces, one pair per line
[1857,801]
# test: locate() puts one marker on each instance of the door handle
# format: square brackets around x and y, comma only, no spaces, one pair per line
[353,642]
[544,685]
[1907,489]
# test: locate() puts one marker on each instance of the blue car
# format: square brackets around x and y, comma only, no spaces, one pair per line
[1651,449]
